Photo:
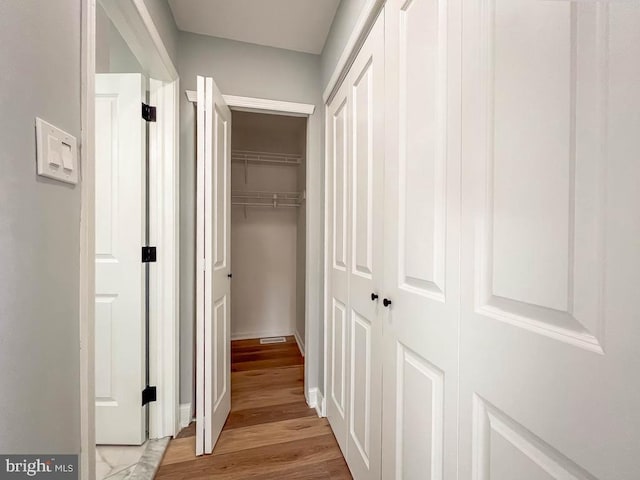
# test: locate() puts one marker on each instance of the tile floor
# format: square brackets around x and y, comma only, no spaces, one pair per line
[115,462]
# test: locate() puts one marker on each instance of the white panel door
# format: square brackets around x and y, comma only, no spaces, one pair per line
[365,268]
[338,221]
[422,209]
[213,355]
[120,290]
[550,252]
[355,170]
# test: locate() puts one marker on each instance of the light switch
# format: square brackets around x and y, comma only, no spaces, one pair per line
[67,156]
[57,153]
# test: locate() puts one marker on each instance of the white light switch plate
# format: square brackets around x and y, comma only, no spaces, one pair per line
[57,153]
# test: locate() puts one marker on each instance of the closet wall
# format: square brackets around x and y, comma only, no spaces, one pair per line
[265,250]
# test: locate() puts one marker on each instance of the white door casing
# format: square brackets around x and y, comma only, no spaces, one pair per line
[119,237]
[213,355]
[550,228]
[421,240]
[356,152]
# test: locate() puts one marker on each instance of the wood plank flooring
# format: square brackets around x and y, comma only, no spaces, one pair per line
[270,433]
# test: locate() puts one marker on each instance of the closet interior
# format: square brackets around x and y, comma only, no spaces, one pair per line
[268,178]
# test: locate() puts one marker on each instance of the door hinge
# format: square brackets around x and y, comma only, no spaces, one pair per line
[148,395]
[148,112]
[148,254]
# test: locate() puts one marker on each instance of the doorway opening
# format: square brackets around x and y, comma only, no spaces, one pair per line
[122,312]
[129,321]
[268,226]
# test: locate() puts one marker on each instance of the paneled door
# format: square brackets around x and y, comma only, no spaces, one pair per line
[339,260]
[366,183]
[355,169]
[120,282]
[213,343]
[421,240]
[550,251]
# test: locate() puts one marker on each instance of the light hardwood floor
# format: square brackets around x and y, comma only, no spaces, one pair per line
[270,433]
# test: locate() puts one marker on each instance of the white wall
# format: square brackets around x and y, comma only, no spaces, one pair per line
[39,231]
[255,71]
[264,299]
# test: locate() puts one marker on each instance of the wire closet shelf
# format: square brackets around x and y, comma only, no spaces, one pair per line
[261,158]
[267,199]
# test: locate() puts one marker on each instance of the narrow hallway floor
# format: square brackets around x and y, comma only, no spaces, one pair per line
[271,433]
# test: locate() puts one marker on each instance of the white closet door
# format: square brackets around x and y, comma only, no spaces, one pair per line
[550,255]
[338,221]
[355,146]
[421,236]
[213,354]
[120,291]
[365,269]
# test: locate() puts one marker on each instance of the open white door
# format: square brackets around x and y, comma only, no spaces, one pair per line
[120,289]
[213,350]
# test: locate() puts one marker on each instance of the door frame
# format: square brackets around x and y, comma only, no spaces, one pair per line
[313,269]
[133,20]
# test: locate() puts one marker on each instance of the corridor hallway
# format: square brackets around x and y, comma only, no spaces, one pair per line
[271,433]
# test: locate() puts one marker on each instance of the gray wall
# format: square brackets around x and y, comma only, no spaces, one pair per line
[39,231]
[163,20]
[113,55]
[343,23]
[247,70]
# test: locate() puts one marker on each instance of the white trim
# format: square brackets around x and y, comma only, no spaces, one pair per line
[164,284]
[133,18]
[299,342]
[192,96]
[326,270]
[134,22]
[365,21]
[256,335]
[261,105]
[315,400]
[87,244]
[186,415]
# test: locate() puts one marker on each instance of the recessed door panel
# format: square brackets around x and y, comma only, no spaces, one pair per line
[420,398]
[338,357]
[362,178]
[421,149]
[340,200]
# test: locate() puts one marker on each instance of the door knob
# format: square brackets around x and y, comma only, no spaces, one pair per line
[386,302]
[374,297]
[230,275]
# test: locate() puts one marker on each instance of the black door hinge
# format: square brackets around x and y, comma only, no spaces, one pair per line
[148,395]
[148,112]
[148,254]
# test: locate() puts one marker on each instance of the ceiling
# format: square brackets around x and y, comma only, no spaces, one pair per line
[300,25]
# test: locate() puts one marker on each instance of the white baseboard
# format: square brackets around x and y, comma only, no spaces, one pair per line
[185,415]
[299,342]
[251,335]
[316,400]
